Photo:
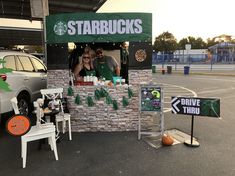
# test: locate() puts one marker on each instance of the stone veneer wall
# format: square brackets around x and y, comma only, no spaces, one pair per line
[102,117]
[58,78]
[136,77]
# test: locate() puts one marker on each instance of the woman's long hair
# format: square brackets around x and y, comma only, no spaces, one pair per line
[91,61]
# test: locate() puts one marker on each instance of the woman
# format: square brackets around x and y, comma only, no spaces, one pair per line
[85,67]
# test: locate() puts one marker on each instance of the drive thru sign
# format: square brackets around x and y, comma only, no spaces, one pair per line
[196,106]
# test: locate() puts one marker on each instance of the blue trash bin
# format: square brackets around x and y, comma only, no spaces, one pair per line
[186,70]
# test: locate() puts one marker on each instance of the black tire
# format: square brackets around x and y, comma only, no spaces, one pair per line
[24,104]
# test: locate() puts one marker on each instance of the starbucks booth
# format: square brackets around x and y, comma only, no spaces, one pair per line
[102,107]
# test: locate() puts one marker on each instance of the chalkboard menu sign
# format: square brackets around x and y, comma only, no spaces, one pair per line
[150,98]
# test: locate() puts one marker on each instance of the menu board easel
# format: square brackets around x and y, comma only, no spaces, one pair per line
[151,100]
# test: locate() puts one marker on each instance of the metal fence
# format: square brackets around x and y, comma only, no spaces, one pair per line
[228,58]
[196,61]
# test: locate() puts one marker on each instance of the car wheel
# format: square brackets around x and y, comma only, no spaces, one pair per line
[23,104]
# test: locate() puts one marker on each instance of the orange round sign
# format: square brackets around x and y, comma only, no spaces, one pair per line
[18,125]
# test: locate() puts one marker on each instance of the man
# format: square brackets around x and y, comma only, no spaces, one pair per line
[124,61]
[106,66]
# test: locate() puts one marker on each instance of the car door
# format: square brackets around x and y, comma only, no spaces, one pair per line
[41,69]
[14,79]
[15,82]
[33,79]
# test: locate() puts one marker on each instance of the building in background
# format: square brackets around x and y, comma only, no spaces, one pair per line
[223,52]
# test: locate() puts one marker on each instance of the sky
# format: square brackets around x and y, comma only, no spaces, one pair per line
[182,18]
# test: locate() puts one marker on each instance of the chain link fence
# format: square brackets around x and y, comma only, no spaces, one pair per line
[224,61]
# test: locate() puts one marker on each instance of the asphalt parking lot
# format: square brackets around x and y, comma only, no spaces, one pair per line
[120,153]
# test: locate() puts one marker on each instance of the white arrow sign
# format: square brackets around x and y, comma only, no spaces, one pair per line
[174,108]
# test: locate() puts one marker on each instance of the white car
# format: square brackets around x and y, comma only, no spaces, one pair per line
[41,56]
[29,75]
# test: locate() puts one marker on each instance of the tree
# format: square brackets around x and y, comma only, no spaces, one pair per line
[199,44]
[211,42]
[165,42]
[233,41]
[196,43]
[182,43]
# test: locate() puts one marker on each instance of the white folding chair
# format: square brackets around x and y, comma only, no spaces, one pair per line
[63,117]
[37,132]
[14,103]
[52,94]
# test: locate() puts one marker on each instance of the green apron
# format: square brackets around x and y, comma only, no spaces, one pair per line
[90,72]
[104,71]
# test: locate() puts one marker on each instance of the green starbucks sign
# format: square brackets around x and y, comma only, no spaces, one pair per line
[99,27]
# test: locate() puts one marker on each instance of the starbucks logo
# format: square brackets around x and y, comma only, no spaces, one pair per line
[60,28]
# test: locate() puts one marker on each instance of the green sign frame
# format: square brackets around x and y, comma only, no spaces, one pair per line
[98,27]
